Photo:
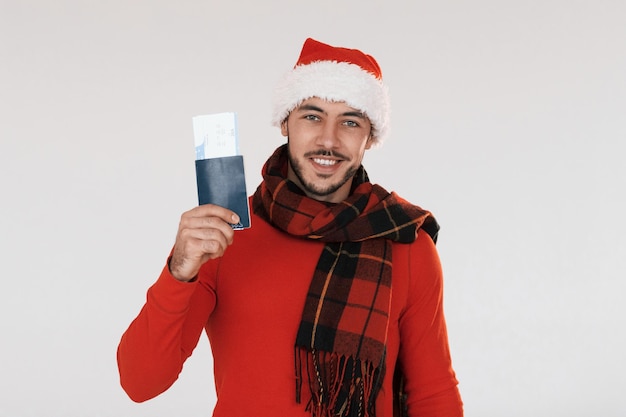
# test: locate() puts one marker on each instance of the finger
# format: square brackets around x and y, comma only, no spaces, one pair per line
[212,210]
[207,223]
[193,248]
[205,241]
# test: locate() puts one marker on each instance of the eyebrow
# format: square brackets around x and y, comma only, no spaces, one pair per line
[311,107]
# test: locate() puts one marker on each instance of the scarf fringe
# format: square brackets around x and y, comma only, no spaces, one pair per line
[340,385]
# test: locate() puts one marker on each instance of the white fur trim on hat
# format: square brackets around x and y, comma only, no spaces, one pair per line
[334,81]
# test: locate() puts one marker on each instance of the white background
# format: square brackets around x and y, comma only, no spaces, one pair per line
[509,119]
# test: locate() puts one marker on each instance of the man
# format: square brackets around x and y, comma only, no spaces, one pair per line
[331,303]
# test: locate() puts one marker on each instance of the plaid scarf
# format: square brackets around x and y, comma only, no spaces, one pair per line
[341,341]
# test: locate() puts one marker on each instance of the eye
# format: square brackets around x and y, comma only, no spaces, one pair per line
[351,123]
[312,117]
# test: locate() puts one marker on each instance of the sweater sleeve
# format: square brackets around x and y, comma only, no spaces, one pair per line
[430,381]
[152,351]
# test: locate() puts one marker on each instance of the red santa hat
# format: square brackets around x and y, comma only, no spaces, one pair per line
[335,74]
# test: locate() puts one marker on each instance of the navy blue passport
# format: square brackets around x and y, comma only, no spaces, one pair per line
[222,181]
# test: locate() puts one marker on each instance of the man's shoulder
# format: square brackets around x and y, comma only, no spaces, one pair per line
[422,246]
[266,236]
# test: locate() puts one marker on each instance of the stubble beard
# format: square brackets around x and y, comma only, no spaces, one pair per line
[313,189]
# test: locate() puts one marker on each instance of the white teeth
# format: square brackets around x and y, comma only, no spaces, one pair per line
[327,162]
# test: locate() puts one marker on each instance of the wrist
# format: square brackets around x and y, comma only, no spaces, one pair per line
[176,276]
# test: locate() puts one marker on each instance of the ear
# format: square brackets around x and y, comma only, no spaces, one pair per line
[370,142]
[284,130]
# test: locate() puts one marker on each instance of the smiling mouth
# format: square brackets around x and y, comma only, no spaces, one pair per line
[325,162]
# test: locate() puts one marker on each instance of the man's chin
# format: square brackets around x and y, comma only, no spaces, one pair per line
[317,192]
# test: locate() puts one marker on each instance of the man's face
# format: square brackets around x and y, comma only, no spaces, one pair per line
[327,141]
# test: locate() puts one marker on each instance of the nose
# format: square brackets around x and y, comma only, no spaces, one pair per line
[328,135]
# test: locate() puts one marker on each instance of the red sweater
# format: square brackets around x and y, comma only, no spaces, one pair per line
[250,302]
